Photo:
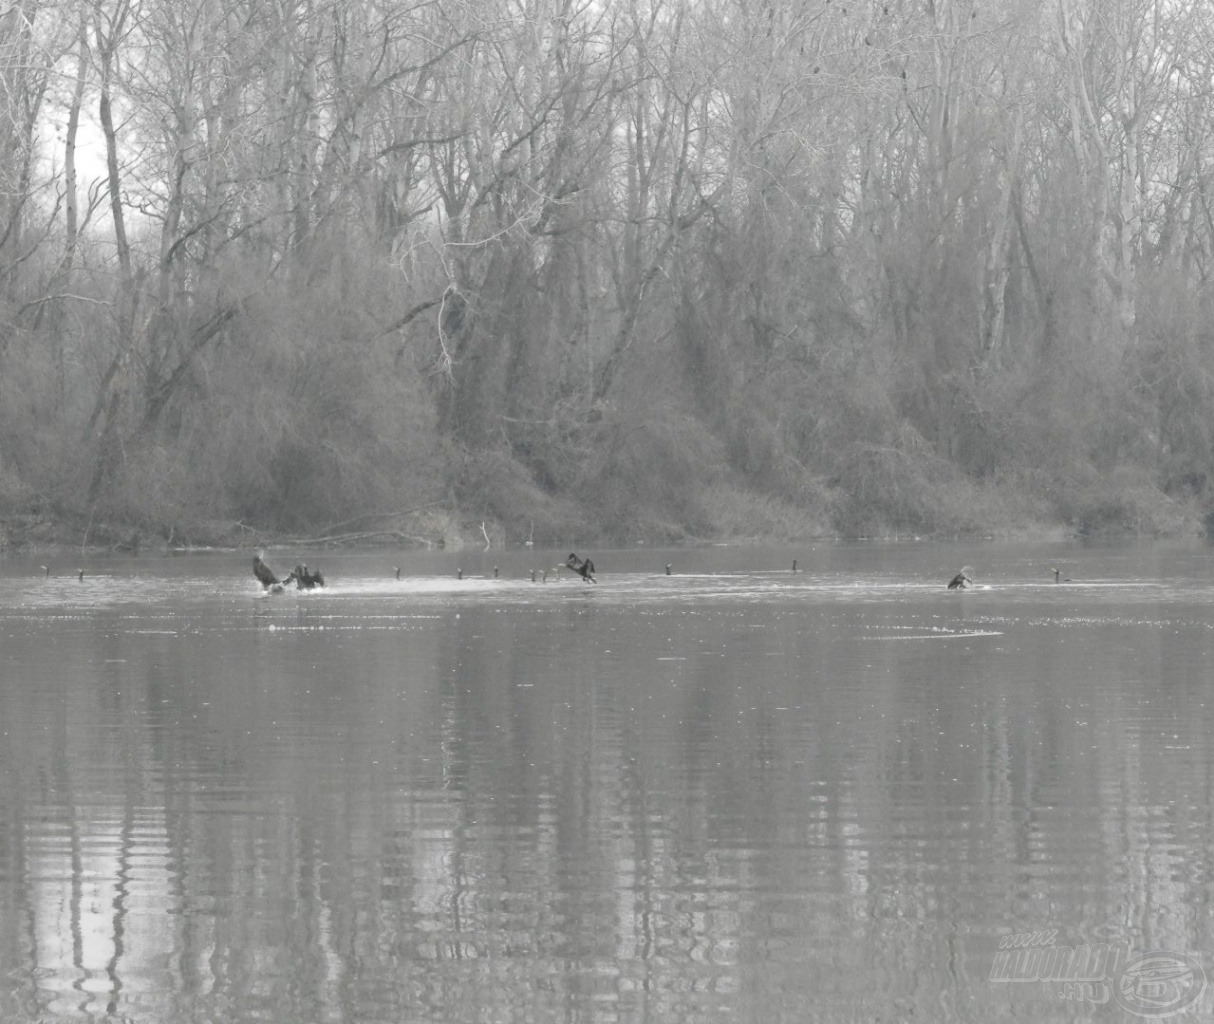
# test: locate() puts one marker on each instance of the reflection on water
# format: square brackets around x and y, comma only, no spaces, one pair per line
[732,793]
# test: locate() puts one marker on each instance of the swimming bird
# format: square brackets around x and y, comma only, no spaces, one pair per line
[305,579]
[265,575]
[962,579]
[582,566]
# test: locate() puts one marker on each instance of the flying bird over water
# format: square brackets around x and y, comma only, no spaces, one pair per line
[962,579]
[582,566]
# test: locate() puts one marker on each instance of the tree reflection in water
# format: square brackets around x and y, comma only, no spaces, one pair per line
[746,796]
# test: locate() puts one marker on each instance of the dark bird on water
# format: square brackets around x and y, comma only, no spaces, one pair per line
[582,566]
[962,579]
[304,578]
[265,575]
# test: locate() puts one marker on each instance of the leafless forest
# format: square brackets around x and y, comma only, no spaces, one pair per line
[611,268]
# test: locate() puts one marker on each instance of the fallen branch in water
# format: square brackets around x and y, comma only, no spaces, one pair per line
[327,531]
[359,537]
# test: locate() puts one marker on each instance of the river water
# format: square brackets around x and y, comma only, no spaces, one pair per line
[736,792]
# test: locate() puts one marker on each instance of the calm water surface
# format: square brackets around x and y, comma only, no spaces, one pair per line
[734,793]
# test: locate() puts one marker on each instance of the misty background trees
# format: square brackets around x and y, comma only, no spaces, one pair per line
[627,268]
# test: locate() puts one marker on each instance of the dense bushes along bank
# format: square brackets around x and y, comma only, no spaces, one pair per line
[664,270]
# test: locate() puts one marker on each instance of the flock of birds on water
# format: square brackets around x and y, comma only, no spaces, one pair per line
[309,579]
[305,579]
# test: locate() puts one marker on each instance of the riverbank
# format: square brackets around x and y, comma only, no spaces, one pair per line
[734,519]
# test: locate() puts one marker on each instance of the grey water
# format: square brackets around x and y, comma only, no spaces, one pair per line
[731,793]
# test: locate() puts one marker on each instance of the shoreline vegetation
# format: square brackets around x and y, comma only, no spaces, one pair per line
[741,521]
[674,273]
